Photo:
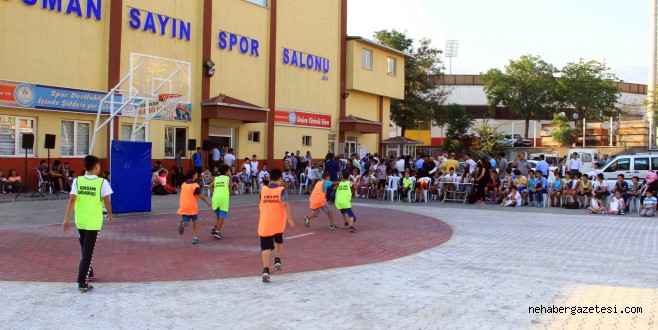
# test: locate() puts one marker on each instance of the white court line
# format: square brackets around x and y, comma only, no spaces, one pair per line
[291,237]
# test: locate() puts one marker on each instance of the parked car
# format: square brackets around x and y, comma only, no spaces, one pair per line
[630,166]
[515,140]
[551,169]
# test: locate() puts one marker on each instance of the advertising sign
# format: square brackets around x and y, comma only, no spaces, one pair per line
[302,119]
[33,96]
[42,97]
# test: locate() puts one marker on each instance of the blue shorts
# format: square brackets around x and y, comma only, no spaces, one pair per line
[350,213]
[521,189]
[190,217]
[254,176]
[221,213]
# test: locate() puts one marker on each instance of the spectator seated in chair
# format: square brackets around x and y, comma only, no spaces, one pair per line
[556,190]
[617,205]
[57,177]
[245,178]
[355,177]
[162,181]
[235,178]
[264,176]
[289,179]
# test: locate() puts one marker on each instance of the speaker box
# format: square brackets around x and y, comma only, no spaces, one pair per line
[28,141]
[191,145]
[50,141]
[207,145]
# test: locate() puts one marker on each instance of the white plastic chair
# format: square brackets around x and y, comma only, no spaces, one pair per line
[392,188]
[411,191]
[302,182]
[428,181]
[546,198]
[43,183]
[634,204]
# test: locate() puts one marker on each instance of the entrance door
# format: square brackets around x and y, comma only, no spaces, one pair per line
[350,147]
[223,137]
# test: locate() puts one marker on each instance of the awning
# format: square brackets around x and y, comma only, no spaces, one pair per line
[226,107]
[400,140]
[356,124]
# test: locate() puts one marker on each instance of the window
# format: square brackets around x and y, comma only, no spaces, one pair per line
[127,131]
[75,138]
[586,158]
[391,66]
[366,59]
[654,164]
[10,128]
[621,164]
[254,136]
[641,164]
[175,138]
[262,3]
[306,141]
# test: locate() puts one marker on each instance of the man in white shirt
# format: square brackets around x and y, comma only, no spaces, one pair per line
[399,165]
[229,159]
[597,169]
[470,163]
[575,164]
[215,156]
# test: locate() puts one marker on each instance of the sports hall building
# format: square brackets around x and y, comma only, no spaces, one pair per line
[261,76]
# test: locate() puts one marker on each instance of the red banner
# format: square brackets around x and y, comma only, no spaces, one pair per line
[302,119]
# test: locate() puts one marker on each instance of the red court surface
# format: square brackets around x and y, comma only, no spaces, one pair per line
[149,248]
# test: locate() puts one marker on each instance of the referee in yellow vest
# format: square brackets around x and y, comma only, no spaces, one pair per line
[88,193]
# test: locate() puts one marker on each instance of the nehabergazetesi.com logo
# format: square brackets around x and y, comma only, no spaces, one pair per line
[24,95]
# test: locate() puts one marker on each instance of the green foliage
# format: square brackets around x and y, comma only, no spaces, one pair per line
[421,95]
[651,103]
[458,122]
[563,133]
[488,138]
[588,88]
[527,87]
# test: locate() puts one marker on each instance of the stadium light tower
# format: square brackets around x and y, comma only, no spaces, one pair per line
[452,50]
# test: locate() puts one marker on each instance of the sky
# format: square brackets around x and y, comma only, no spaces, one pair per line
[490,33]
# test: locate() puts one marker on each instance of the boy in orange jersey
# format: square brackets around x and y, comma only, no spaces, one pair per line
[318,201]
[189,193]
[274,210]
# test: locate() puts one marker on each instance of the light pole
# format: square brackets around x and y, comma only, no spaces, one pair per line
[452,50]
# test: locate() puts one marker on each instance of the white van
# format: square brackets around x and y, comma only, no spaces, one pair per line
[587,156]
[630,166]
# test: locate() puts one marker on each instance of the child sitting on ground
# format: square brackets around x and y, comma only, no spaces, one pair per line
[649,205]
[162,181]
[617,204]
[597,206]
[513,199]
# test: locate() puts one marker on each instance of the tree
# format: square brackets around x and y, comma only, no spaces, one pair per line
[587,88]
[488,138]
[527,87]
[421,94]
[458,122]
[563,133]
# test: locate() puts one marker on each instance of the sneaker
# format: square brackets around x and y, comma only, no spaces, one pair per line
[266,274]
[196,240]
[213,230]
[277,264]
[307,222]
[217,235]
[621,212]
[346,224]
[181,227]
[85,287]
[352,230]
[539,205]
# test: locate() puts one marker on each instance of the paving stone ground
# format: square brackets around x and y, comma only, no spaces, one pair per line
[498,263]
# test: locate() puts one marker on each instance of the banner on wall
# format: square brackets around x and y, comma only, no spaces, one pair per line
[302,119]
[44,97]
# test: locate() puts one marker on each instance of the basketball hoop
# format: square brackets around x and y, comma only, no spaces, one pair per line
[170,101]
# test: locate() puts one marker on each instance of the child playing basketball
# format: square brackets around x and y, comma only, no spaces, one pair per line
[221,191]
[274,210]
[344,192]
[318,201]
[189,193]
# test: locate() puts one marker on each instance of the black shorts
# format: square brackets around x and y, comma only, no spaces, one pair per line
[267,243]
[382,184]
[198,169]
